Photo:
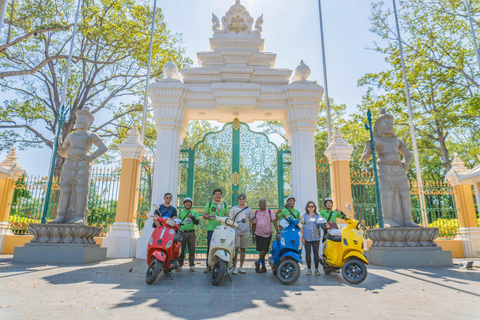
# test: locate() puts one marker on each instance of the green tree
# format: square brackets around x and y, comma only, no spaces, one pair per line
[109,63]
[441,71]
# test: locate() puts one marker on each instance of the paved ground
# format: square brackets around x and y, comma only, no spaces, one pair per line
[115,289]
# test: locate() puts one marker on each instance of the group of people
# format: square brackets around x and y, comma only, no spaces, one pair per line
[256,224]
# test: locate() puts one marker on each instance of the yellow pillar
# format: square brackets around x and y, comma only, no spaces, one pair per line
[10,170]
[338,154]
[468,230]
[121,240]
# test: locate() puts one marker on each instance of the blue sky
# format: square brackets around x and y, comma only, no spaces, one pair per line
[291,30]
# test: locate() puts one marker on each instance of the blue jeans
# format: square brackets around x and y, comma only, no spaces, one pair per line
[209,239]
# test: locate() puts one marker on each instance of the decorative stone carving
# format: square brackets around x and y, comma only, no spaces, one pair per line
[132,147]
[170,71]
[76,171]
[403,237]
[10,167]
[63,233]
[237,20]
[302,72]
[338,149]
[392,172]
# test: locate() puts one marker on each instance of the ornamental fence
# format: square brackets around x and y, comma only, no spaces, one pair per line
[439,203]
[27,202]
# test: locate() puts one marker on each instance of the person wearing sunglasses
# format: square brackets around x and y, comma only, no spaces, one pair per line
[166,210]
[311,236]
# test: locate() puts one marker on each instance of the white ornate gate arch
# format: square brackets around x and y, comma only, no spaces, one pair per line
[235,79]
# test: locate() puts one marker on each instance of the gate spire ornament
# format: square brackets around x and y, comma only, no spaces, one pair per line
[237,20]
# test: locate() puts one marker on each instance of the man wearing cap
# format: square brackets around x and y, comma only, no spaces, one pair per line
[214,208]
[77,168]
[242,233]
[329,214]
[288,212]
[190,218]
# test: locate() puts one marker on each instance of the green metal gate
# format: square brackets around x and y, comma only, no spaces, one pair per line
[236,160]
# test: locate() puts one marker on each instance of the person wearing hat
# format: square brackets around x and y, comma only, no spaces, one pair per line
[242,233]
[190,218]
[214,208]
[329,214]
[288,211]
[77,168]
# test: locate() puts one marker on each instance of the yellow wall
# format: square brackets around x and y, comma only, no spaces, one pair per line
[467,217]
[6,195]
[341,186]
[128,192]
[12,241]
[455,246]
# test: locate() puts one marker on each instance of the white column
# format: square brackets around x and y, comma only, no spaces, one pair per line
[300,126]
[167,97]
[121,241]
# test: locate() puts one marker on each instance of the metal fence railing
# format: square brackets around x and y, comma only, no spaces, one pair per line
[29,194]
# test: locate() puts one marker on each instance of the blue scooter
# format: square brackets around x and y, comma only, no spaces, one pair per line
[286,253]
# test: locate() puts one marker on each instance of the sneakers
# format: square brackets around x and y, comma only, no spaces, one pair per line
[309,272]
[317,273]
[192,269]
[208,270]
[235,270]
[241,270]
[257,266]
[179,269]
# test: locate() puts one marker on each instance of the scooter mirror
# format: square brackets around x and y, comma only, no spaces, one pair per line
[348,206]
[155,206]
[243,220]
[284,223]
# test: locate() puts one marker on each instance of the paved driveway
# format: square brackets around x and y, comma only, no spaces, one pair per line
[115,289]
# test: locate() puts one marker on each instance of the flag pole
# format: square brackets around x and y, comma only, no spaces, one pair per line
[3,8]
[327,101]
[473,34]
[412,126]
[145,100]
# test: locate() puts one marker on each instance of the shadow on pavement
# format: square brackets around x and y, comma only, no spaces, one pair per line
[447,278]
[191,295]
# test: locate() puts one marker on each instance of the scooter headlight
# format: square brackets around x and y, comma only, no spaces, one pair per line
[171,223]
[229,222]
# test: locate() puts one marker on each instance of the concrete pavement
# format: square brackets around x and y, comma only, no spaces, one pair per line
[115,289]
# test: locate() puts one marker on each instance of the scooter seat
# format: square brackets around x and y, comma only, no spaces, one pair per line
[334,238]
[177,238]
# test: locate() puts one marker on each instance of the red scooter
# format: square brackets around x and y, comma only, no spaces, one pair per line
[164,248]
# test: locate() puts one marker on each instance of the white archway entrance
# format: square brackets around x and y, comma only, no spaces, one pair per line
[236,79]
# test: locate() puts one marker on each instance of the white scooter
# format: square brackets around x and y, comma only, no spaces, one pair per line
[222,248]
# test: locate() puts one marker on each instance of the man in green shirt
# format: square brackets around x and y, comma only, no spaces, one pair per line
[329,214]
[190,218]
[214,208]
[288,212]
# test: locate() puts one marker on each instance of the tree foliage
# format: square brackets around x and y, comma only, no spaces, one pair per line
[107,73]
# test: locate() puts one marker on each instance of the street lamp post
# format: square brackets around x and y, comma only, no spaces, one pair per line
[145,100]
[412,126]
[327,101]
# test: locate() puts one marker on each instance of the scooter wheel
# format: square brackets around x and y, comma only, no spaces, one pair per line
[354,271]
[288,271]
[153,271]
[218,272]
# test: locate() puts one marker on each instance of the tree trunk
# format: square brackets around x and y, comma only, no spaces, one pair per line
[445,155]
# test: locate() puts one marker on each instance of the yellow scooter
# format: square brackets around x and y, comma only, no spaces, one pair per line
[344,250]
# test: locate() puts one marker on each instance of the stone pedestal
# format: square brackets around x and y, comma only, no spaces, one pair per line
[60,244]
[406,248]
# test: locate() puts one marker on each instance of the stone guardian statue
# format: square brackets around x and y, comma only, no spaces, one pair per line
[76,171]
[392,172]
